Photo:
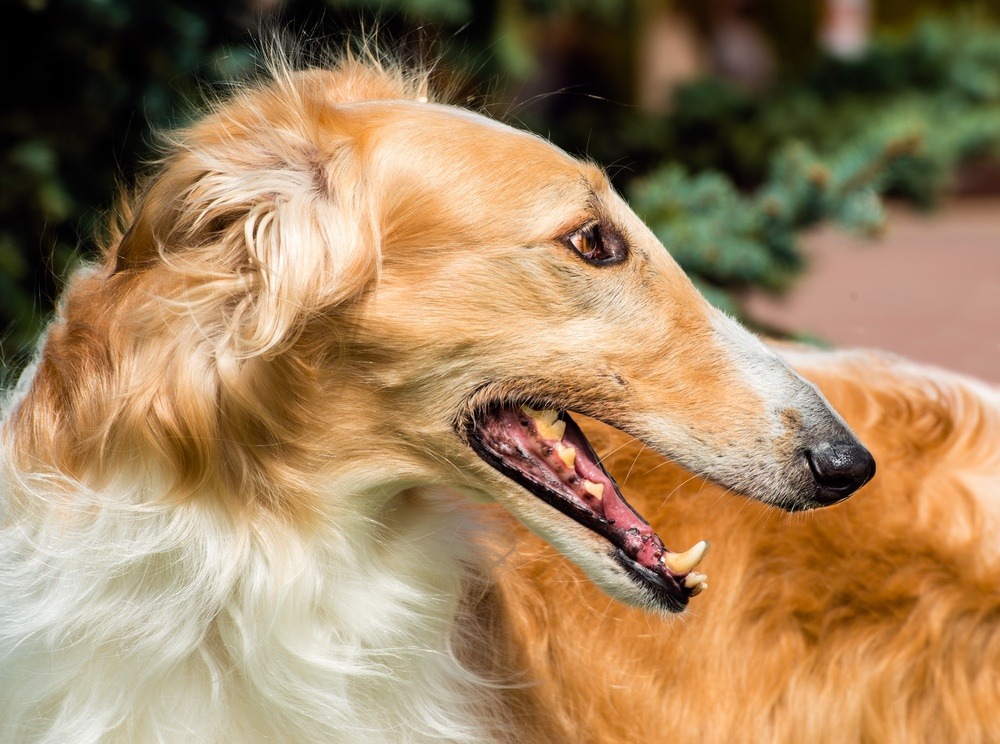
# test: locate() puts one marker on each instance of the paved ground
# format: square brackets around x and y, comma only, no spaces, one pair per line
[928,289]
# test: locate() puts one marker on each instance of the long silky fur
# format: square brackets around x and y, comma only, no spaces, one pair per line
[167,572]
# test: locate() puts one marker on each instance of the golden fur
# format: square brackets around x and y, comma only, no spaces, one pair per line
[877,620]
[239,504]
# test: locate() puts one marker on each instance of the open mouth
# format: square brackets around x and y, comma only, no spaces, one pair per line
[545,452]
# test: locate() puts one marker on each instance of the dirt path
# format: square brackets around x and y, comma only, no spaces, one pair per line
[928,289]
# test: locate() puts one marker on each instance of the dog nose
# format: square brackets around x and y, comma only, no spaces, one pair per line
[840,469]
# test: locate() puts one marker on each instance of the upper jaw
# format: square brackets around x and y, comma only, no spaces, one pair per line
[767,459]
[778,475]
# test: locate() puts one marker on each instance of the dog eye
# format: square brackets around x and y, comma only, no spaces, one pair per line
[595,244]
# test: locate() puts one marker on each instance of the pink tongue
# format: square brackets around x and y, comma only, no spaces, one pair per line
[637,538]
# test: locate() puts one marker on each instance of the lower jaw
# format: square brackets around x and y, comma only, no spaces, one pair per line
[631,542]
[662,592]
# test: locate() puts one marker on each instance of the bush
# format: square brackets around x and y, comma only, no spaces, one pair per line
[727,181]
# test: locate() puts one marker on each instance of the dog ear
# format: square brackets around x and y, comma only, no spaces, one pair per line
[305,241]
[229,253]
[272,236]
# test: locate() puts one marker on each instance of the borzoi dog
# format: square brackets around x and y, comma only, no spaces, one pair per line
[243,481]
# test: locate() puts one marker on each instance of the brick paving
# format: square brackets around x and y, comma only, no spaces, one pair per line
[929,288]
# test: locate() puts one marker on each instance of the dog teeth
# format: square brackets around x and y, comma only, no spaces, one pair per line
[544,415]
[547,421]
[594,489]
[682,563]
[567,453]
[693,579]
[554,431]
[695,591]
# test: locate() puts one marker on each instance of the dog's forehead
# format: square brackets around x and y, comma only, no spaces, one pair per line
[473,117]
[476,167]
[470,143]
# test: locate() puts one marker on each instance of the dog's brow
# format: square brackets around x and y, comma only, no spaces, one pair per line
[593,200]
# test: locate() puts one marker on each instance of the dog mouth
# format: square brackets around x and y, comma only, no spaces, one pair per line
[546,452]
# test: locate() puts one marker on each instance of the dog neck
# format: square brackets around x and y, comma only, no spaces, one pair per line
[197,627]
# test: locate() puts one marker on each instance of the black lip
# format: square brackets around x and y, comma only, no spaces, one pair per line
[664,591]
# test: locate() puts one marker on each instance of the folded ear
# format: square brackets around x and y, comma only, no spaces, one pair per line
[307,242]
[267,229]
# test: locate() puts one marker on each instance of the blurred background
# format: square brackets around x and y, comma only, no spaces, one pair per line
[824,169]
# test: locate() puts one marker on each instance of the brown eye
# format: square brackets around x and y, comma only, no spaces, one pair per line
[597,245]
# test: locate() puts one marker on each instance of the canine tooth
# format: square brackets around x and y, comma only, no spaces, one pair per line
[547,421]
[683,562]
[556,431]
[546,415]
[693,579]
[594,489]
[699,589]
[567,453]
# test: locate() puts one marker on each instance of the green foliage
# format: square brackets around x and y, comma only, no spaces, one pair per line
[729,242]
[446,11]
[939,84]
[106,74]
[100,76]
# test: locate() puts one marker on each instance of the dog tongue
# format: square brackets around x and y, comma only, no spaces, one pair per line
[555,452]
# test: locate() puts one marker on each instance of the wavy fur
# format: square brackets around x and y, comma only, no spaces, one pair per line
[171,567]
[238,503]
[873,621]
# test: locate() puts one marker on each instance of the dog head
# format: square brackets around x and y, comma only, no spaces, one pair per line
[336,286]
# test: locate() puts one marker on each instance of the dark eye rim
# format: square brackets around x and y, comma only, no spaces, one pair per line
[611,245]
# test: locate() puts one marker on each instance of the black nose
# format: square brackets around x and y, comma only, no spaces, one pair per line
[840,469]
